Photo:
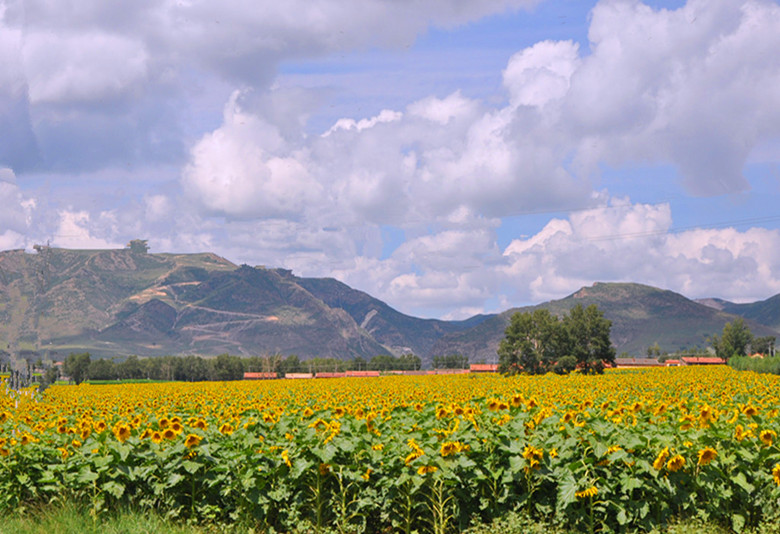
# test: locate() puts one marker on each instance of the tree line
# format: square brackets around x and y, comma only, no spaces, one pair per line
[80,367]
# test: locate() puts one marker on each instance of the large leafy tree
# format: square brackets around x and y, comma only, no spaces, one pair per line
[532,344]
[538,342]
[77,366]
[587,335]
[734,340]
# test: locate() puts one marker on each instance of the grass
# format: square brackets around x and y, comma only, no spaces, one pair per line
[68,518]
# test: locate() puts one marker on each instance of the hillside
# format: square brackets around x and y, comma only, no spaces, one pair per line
[128,301]
[641,316]
[765,312]
[117,302]
[402,333]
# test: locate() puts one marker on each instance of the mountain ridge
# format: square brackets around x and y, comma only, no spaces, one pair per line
[121,301]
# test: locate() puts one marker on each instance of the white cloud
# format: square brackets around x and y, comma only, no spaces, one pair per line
[244,168]
[686,86]
[541,73]
[81,67]
[75,230]
[634,243]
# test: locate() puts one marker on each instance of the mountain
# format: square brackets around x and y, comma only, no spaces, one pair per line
[765,312]
[121,302]
[128,301]
[641,316]
[401,333]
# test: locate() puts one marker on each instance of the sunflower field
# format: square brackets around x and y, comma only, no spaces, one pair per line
[623,450]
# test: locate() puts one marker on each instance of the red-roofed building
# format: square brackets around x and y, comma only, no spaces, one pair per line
[702,360]
[362,373]
[483,368]
[259,376]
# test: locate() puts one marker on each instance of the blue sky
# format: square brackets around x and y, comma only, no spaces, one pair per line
[449,158]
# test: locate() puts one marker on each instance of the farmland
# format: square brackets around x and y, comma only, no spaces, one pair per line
[627,449]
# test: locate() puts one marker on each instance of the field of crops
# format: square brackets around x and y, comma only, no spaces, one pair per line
[404,453]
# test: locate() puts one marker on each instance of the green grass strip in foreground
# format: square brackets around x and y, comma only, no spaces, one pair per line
[70,519]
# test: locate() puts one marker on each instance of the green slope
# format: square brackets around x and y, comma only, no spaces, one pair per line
[402,333]
[641,316]
[765,312]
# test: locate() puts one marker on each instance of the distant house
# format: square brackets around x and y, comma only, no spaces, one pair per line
[702,360]
[362,373]
[483,368]
[260,376]
[672,363]
[298,376]
[637,362]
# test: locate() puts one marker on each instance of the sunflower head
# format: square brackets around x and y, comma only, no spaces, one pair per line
[767,437]
[706,455]
[192,441]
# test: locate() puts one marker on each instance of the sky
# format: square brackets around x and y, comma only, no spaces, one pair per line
[446,156]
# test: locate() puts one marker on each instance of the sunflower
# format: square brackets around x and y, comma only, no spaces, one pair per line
[157,437]
[201,424]
[706,455]
[425,469]
[226,429]
[192,441]
[660,460]
[776,474]
[168,433]
[122,432]
[589,492]
[676,463]
[767,437]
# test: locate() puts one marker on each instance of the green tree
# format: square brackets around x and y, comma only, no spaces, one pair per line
[102,369]
[77,366]
[383,362]
[734,340]
[654,351]
[410,362]
[532,343]
[358,364]
[291,364]
[764,345]
[587,338]
[227,367]
[138,246]
[451,361]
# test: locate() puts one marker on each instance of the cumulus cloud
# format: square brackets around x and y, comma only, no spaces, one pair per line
[686,87]
[244,169]
[87,71]
[77,229]
[636,243]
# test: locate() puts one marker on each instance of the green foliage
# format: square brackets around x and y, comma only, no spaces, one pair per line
[764,345]
[767,364]
[138,246]
[451,361]
[538,342]
[734,341]
[588,338]
[77,366]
